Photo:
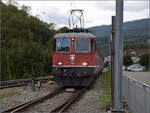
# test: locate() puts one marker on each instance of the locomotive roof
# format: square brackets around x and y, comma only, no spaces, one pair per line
[85,35]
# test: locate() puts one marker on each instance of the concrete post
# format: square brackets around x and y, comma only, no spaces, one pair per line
[118,74]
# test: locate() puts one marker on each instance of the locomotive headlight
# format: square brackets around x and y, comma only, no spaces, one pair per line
[72,39]
[60,63]
[84,63]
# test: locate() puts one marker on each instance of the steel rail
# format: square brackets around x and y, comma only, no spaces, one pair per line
[69,102]
[13,85]
[17,83]
[23,80]
[23,106]
[63,107]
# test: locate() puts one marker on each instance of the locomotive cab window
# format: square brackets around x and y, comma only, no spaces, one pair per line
[82,45]
[63,45]
[93,45]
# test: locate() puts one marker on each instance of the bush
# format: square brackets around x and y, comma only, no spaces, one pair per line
[144,60]
[26,75]
[106,64]
[127,60]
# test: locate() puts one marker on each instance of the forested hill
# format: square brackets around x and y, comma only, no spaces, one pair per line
[25,43]
[135,33]
[136,28]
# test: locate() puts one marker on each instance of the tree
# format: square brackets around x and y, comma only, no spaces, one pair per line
[127,60]
[63,29]
[26,43]
[12,2]
[26,9]
[144,60]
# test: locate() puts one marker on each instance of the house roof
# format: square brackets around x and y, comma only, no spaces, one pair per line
[137,51]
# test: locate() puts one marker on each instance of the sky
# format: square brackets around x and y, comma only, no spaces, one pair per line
[95,12]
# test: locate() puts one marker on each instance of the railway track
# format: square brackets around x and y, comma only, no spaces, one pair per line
[22,107]
[59,109]
[23,82]
[63,107]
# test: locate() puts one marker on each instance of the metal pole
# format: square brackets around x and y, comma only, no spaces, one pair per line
[112,58]
[33,80]
[134,111]
[118,57]
[145,100]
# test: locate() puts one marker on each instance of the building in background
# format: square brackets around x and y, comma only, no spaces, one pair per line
[135,54]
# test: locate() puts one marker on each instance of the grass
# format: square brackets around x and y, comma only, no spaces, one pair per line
[146,71]
[125,105]
[8,94]
[106,81]
[50,75]
[105,97]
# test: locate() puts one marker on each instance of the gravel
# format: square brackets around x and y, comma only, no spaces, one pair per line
[89,102]
[50,104]
[11,97]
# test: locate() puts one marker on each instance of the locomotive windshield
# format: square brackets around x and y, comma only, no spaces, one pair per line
[82,45]
[63,45]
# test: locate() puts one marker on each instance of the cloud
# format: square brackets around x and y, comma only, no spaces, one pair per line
[96,12]
[128,16]
[104,5]
[98,17]
[135,6]
[55,16]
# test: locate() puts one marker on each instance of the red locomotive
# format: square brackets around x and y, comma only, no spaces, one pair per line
[76,57]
